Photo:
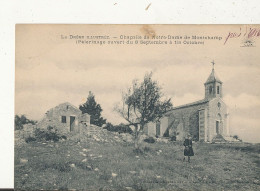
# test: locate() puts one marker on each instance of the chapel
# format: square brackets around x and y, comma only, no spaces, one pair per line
[205,120]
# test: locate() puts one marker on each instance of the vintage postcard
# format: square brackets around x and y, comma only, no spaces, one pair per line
[137,107]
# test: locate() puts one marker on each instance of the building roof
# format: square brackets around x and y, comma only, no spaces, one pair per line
[64,105]
[213,77]
[203,101]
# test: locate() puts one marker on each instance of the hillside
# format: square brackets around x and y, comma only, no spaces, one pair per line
[106,161]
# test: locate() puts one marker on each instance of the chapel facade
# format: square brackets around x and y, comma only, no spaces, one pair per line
[204,120]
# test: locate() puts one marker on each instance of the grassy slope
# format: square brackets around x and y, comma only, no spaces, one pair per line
[214,167]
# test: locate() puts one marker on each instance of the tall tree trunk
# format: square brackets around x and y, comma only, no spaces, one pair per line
[138,140]
[136,137]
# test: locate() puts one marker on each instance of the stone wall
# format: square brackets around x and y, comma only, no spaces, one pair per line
[164,121]
[26,131]
[85,118]
[198,120]
[217,112]
[65,117]
[203,124]
[150,129]
[185,120]
[214,93]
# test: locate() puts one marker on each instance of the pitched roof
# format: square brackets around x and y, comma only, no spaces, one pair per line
[213,77]
[67,103]
[64,105]
[188,105]
[192,103]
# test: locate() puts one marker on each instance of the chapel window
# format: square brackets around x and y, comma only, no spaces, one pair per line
[63,119]
[217,89]
[210,89]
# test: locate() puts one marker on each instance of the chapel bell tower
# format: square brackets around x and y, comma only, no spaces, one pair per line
[213,85]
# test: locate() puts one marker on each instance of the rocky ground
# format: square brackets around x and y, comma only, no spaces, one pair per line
[101,160]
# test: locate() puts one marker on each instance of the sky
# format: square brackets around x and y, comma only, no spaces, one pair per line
[50,70]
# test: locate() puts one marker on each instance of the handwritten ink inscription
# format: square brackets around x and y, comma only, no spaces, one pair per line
[248,34]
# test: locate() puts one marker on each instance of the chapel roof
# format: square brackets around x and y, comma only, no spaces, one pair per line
[203,101]
[213,77]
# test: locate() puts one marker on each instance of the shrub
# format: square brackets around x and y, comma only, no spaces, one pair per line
[30,139]
[173,138]
[149,140]
[20,121]
[39,134]
[64,137]
[49,135]
[138,151]
[49,128]
[121,128]
[235,137]
[147,149]
[109,127]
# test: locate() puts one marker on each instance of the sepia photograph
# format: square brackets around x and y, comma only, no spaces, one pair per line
[137,107]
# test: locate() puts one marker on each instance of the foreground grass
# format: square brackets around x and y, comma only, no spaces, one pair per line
[93,165]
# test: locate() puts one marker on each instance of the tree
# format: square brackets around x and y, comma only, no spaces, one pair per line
[19,121]
[93,109]
[142,103]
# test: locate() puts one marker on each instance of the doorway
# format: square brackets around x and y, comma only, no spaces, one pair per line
[72,123]
[217,127]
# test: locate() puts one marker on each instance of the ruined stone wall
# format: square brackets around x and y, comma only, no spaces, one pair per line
[150,129]
[85,118]
[163,125]
[26,131]
[53,118]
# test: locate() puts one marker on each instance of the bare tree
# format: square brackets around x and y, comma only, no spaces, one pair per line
[142,103]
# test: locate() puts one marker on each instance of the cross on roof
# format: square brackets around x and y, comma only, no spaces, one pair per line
[213,63]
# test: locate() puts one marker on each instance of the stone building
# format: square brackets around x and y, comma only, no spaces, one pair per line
[65,117]
[203,119]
